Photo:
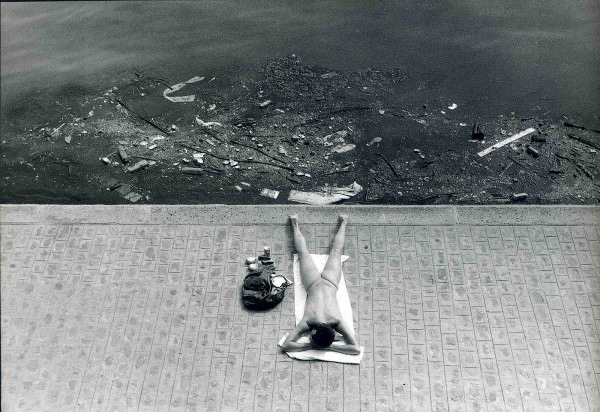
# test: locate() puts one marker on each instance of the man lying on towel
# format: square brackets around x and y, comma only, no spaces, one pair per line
[322,316]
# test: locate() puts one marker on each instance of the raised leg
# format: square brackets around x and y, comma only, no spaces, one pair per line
[333,268]
[308,271]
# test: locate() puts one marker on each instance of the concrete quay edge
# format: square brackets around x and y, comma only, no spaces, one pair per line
[277,214]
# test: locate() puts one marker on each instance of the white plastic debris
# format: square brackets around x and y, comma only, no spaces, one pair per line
[202,123]
[381,111]
[326,195]
[453,106]
[265,103]
[375,140]
[233,162]
[56,130]
[506,141]
[157,137]
[178,86]
[337,137]
[269,193]
[343,148]
[154,146]
[106,160]
[328,75]
[139,165]
[199,158]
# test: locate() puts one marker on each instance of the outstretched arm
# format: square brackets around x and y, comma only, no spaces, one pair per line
[290,344]
[351,346]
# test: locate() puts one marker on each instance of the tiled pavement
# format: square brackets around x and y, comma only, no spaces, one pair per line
[138,309]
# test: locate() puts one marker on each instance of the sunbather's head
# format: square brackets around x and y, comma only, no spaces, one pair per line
[322,335]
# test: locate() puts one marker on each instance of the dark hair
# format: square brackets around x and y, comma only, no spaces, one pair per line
[322,335]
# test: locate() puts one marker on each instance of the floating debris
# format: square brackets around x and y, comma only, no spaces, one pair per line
[344,148]
[113,184]
[532,151]
[202,123]
[133,197]
[478,132]
[328,75]
[326,195]
[138,166]
[506,141]
[123,154]
[337,137]
[123,189]
[375,140]
[178,86]
[56,130]
[199,158]
[269,193]
[519,196]
[192,170]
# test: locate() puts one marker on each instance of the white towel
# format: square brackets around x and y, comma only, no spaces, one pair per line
[345,307]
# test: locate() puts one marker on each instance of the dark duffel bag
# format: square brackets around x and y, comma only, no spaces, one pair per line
[262,291]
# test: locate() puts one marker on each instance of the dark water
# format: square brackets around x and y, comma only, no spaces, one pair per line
[487,56]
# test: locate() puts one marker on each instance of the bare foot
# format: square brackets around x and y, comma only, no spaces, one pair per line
[343,218]
[294,219]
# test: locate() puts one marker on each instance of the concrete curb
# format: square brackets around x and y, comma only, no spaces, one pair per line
[277,214]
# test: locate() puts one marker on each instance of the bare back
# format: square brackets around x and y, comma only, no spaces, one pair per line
[321,303]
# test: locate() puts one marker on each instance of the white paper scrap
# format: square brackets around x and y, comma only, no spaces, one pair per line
[269,193]
[178,86]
